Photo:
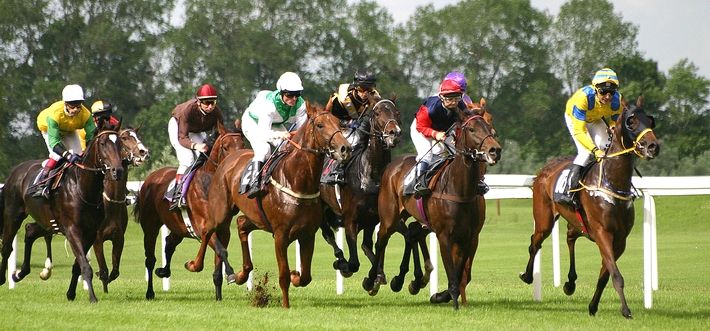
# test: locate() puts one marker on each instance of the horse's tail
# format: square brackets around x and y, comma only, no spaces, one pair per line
[137,209]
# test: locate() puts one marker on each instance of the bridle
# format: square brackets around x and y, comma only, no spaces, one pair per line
[99,160]
[327,147]
[475,154]
[635,141]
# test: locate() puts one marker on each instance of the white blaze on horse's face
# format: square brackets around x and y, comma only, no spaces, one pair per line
[113,137]
[137,160]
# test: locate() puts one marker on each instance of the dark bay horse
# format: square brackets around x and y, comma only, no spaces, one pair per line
[291,209]
[133,152]
[606,215]
[449,211]
[359,195]
[415,235]
[75,208]
[152,211]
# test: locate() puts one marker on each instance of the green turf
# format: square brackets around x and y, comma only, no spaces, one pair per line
[497,298]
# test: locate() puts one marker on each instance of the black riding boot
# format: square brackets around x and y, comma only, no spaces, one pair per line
[573,177]
[420,186]
[255,180]
[334,173]
[41,189]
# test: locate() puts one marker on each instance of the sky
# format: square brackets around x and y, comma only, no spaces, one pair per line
[668,30]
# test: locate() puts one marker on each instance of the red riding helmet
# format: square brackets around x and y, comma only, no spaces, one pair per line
[450,87]
[206,91]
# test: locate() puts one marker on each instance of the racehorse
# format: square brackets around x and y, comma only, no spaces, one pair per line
[449,211]
[359,196]
[291,209]
[415,235]
[75,208]
[152,210]
[116,217]
[606,212]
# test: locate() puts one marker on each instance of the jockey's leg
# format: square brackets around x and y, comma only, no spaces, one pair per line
[41,183]
[420,187]
[573,177]
[254,178]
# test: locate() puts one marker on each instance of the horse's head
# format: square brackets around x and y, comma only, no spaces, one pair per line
[132,149]
[475,138]
[227,142]
[636,129]
[327,134]
[480,108]
[103,154]
[385,121]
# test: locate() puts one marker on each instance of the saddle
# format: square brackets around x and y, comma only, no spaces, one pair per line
[265,173]
[431,174]
[177,190]
[561,184]
[54,178]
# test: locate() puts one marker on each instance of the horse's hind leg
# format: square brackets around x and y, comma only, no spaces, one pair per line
[329,236]
[572,236]
[12,217]
[421,279]
[150,235]
[48,266]
[32,232]
[544,221]
[101,260]
[171,243]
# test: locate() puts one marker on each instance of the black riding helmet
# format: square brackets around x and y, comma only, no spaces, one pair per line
[364,78]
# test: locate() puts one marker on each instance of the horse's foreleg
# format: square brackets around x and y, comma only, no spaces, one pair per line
[468,265]
[572,236]
[197,264]
[80,248]
[303,278]
[171,243]
[609,268]
[448,250]
[116,252]
[245,227]
[223,236]
[368,244]
[285,276]
[217,276]
[398,281]
[351,229]
[329,236]
[75,272]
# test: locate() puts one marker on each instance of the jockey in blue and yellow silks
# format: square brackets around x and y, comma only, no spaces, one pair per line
[59,124]
[589,114]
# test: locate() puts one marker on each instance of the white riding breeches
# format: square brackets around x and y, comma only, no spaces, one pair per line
[184,155]
[71,141]
[600,136]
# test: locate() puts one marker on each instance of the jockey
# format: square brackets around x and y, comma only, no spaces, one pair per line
[267,121]
[58,124]
[349,102]
[103,112]
[188,128]
[428,131]
[589,114]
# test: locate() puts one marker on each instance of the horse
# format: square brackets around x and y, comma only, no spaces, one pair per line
[415,234]
[449,211]
[116,217]
[291,208]
[359,196]
[606,211]
[152,210]
[75,208]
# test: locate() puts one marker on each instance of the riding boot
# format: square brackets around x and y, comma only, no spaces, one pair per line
[333,173]
[41,183]
[255,180]
[420,187]
[175,194]
[572,185]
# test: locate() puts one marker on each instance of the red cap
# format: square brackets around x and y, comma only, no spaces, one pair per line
[449,86]
[207,91]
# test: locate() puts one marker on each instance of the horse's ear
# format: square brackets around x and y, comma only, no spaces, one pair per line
[483,103]
[238,124]
[393,97]
[120,121]
[310,109]
[624,104]
[138,128]
[639,102]
[329,105]
[220,128]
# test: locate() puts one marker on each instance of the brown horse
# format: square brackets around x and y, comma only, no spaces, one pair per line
[152,211]
[116,217]
[449,211]
[415,235]
[359,195]
[74,209]
[291,208]
[606,213]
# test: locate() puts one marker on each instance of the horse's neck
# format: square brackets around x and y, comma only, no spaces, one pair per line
[617,170]
[304,160]
[462,175]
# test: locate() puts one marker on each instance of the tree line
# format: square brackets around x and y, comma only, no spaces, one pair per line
[144,59]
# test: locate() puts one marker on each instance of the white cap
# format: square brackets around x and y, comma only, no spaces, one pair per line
[289,81]
[72,93]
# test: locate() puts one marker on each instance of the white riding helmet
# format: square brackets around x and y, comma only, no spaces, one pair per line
[72,92]
[290,82]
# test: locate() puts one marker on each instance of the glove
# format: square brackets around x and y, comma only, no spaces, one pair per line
[598,153]
[353,124]
[281,135]
[71,157]
[440,136]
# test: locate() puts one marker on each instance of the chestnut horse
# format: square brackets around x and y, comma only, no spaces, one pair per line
[449,211]
[116,217]
[606,213]
[359,195]
[75,208]
[291,209]
[152,211]
[415,235]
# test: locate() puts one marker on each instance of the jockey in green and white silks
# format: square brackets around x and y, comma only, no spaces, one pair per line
[266,123]
[589,113]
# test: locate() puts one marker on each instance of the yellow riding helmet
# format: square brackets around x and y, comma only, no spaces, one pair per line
[101,107]
[605,75]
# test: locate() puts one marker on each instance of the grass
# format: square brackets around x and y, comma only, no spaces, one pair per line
[497,298]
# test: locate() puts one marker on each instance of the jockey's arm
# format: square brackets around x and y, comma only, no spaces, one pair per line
[580,133]
[89,128]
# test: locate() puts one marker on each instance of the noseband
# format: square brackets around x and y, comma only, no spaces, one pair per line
[635,140]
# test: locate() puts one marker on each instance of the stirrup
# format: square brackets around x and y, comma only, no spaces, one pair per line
[421,191]
[41,192]
[255,191]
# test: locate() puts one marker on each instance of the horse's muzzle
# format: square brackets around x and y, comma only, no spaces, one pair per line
[493,155]
[651,149]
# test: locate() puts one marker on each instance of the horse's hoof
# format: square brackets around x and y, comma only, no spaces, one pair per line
[525,278]
[569,288]
[162,272]
[71,296]
[150,295]
[192,266]
[627,314]
[441,297]
[375,289]
[113,276]
[16,276]
[396,284]
[367,284]
[45,274]
[242,277]
[231,279]
[413,288]
[295,278]
[346,273]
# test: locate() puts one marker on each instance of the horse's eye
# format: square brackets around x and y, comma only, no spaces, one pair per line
[320,125]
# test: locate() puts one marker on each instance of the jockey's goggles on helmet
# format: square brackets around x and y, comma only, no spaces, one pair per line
[291,94]
[606,89]
[73,104]
[208,102]
[452,97]
[363,89]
